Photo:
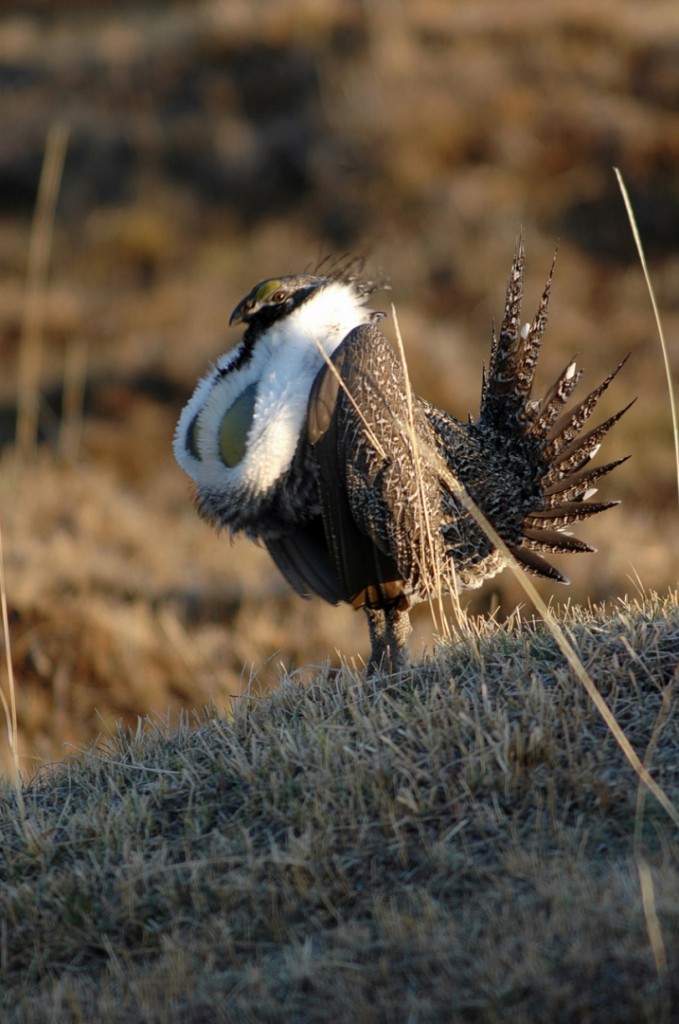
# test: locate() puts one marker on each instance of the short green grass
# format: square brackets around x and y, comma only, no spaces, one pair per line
[461,843]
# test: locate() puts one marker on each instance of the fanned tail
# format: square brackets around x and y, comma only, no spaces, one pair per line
[548,439]
[514,353]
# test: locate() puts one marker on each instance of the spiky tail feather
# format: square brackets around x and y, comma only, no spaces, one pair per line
[563,451]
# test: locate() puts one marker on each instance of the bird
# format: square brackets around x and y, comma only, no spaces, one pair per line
[307,437]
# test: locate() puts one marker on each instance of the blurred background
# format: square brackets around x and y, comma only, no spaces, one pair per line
[209,145]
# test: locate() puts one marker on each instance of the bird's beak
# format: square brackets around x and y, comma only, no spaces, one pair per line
[238,315]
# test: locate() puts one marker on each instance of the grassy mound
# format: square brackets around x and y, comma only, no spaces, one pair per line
[461,843]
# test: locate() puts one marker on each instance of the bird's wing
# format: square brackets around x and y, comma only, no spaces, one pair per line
[363,452]
[302,556]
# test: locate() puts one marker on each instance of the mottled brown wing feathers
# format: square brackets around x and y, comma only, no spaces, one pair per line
[366,572]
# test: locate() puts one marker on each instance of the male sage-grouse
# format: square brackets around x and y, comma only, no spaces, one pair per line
[308,437]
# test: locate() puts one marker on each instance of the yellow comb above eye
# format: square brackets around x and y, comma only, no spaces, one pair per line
[265,288]
[235,426]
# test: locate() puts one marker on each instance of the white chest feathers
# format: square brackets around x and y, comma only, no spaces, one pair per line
[238,433]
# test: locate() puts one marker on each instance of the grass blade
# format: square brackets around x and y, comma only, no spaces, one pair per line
[656,314]
[40,248]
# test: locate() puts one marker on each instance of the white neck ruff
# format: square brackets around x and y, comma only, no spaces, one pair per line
[283,365]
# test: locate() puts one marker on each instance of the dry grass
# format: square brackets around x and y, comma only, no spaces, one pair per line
[458,844]
[466,842]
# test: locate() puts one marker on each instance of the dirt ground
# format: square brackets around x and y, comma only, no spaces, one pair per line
[212,144]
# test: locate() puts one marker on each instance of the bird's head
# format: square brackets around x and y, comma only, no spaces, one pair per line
[275,298]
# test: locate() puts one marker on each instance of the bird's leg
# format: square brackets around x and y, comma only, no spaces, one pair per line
[377,622]
[389,630]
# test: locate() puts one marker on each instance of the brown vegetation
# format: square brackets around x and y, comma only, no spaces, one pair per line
[213,144]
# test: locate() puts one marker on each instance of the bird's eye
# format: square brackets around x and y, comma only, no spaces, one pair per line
[279,296]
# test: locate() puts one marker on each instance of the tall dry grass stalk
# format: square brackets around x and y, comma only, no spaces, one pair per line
[656,314]
[430,553]
[9,703]
[40,247]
